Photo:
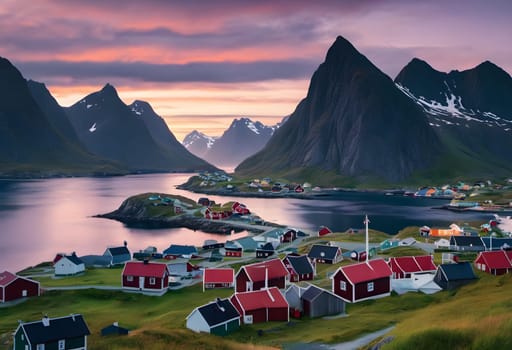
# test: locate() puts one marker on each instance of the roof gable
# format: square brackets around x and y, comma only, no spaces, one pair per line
[218,312]
[274,268]
[6,277]
[319,251]
[466,241]
[75,260]
[218,275]
[426,262]
[260,299]
[313,292]
[495,259]
[410,264]
[114,251]
[140,268]
[59,328]
[365,271]
[176,249]
[300,264]
[459,271]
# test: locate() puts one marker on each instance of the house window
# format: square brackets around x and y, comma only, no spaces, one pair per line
[62,344]
[129,278]
[343,285]
[22,337]
[152,281]
[40,347]
[370,286]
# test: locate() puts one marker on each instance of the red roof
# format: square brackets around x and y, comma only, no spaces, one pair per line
[495,259]
[139,268]
[226,275]
[6,277]
[324,231]
[261,299]
[275,269]
[366,271]
[409,264]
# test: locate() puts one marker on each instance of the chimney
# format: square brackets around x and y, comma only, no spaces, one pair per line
[217,301]
[73,317]
[125,244]
[116,324]
[146,261]
[46,321]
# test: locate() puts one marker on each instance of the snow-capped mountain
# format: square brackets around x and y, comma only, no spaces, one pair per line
[199,143]
[243,138]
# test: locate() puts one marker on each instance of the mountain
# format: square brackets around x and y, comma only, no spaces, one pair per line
[129,134]
[242,139]
[354,123]
[33,143]
[198,143]
[471,110]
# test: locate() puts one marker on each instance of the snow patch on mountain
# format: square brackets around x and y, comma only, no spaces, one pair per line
[452,111]
[92,128]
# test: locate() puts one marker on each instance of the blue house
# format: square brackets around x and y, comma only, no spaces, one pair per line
[180,251]
[118,255]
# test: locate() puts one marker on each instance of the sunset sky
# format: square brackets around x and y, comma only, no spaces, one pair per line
[202,63]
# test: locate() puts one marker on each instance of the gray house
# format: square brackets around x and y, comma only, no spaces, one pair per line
[118,255]
[63,333]
[318,302]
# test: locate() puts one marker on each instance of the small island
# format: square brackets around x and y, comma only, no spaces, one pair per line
[160,210]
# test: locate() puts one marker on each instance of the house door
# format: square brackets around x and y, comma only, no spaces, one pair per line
[24,293]
[141,282]
[248,286]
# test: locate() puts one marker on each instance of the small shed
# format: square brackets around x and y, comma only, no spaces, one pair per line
[265,251]
[179,251]
[325,254]
[451,276]
[145,277]
[118,255]
[467,243]
[262,305]
[290,235]
[324,230]
[114,329]
[299,267]
[218,278]
[318,302]
[442,243]
[219,317]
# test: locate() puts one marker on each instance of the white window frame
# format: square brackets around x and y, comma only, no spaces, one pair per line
[129,278]
[62,344]
[370,287]
[343,285]
[40,347]
[152,281]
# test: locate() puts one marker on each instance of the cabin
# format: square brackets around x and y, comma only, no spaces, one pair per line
[264,305]
[205,202]
[69,265]
[299,267]
[179,251]
[96,261]
[216,215]
[318,302]
[219,317]
[325,254]
[360,254]
[452,276]
[442,243]
[270,273]
[13,287]
[298,189]
[265,251]
[493,243]
[453,230]
[118,255]
[324,230]
[494,262]
[389,243]
[183,268]
[218,278]
[145,277]
[114,329]
[292,295]
[233,249]
[362,281]
[466,243]
[290,236]
[240,208]
[68,332]
[248,244]
[405,266]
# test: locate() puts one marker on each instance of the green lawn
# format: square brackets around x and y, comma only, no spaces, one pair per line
[107,277]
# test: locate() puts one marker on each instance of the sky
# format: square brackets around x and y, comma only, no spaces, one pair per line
[202,63]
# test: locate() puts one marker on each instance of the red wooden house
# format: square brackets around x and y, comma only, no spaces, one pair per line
[218,278]
[263,305]
[493,262]
[145,277]
[216,215]
[324,230]
[270,273]
[14,287]
[299,267]
[299,189]
[405,266]
[290,235]
[240,208]
[362,281]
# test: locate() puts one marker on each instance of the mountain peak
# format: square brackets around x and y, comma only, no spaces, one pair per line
[339,49]
[141,107]
[109,89]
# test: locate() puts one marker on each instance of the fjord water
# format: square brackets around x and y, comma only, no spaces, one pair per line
[39,218]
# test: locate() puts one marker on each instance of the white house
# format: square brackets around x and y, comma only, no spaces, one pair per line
[442,243]
[69,265]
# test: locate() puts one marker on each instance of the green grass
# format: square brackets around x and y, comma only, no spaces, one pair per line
[107,277]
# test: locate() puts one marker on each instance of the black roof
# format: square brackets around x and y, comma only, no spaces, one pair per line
[219,311]
[118,250]
[466,241]
[113,329]
[300,264]
[497,243]
[460,271]
[267,246]
[74,259]
[59,328]
[319,251]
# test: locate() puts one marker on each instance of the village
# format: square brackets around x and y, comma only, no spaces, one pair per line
[277,276]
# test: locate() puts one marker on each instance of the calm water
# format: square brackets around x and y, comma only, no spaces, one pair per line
[39,218]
